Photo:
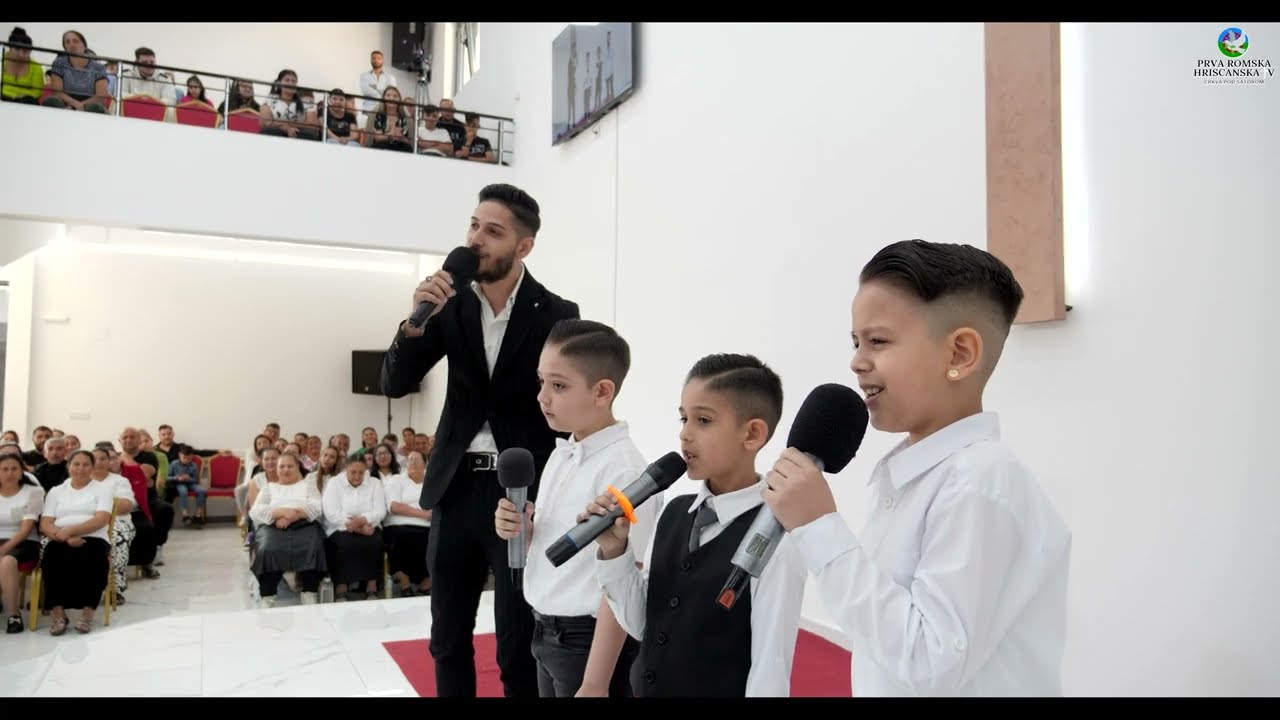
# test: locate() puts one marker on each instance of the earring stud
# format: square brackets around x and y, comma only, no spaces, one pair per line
[953,373]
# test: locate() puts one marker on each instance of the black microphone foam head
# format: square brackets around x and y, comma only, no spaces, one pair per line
[667,469]
[830,425]
[462,263]
[515,468]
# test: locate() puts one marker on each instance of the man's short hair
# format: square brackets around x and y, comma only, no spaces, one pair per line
[144,50]
[595,349]
[753,388]
[523,207]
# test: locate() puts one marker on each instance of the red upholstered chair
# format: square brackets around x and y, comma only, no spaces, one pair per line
[194,112]
[245,120]
[144,107]
[224,474]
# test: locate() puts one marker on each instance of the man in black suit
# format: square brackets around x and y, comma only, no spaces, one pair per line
[492,331]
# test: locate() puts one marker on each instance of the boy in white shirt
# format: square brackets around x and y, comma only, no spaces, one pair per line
[958,584]
[690,645]
[578,646]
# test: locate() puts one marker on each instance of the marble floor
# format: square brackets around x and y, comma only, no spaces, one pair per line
[194,632]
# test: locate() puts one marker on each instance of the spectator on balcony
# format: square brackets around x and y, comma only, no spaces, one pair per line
[78,83]
[113,77]
[433,139]
[474,147]
[374,82]
[242,97]
[341,130]
[195,93]
[23,79]
[456,129]
[389,128]
[143,79]
[284,113]
[76,561]
[21,502]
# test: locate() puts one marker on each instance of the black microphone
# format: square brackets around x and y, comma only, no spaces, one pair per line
[828,428]
[462,265]
[515,473]
[657,477]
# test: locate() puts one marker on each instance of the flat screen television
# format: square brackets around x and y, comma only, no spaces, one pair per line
[592,70]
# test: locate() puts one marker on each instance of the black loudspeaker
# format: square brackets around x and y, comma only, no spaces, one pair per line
[366,372]
[410,46]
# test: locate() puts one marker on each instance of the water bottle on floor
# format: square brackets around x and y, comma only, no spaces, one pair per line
[326,591]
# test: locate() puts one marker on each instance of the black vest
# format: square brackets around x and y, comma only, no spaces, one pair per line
[692,646]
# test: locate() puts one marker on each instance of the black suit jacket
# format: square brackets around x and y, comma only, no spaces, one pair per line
[507,401]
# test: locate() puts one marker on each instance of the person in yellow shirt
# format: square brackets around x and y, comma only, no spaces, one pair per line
[23,79]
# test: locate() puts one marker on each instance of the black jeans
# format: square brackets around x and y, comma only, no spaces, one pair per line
[462,548]
[561,646]
[269,582]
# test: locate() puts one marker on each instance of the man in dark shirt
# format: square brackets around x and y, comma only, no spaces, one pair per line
[341,124]
[35,457]
[456,129]
[53,471]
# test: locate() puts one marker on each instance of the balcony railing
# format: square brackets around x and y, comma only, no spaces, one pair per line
[498,131]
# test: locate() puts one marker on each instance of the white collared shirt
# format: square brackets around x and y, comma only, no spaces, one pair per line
[372,85]
[343,502]
[402,489]
[495,329]
[69,506]
[26,504]
[776,596]
[576,473]
[958,585]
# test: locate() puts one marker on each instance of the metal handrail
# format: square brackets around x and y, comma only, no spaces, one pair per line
[321,95]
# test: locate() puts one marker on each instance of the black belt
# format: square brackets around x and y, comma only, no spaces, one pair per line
[480,462]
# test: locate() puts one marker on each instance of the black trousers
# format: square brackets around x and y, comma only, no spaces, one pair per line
[561,646]
[462,548]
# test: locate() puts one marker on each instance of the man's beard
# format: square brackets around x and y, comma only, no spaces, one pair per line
[501,268]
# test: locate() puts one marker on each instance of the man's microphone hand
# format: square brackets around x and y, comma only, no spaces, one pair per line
[614,540]
[797,491]
[436,289]
[506,521]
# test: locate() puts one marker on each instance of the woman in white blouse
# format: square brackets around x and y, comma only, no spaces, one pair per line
[329,465]
[124,531]
[354,506]
[21,501]
[385,464]
[75,562]
[287,537]
[407,527]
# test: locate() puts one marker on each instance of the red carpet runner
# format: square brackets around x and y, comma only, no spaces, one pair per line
[820,669]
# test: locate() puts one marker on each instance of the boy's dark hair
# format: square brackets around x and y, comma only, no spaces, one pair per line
[184,450]
[753,388]
[596,349]
[938,271]
[522,206]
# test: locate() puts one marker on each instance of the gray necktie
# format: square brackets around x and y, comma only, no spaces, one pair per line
[704,517]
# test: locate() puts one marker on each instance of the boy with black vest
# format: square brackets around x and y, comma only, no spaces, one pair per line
[690,645]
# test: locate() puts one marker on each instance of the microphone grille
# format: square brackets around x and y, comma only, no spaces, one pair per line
[462,262]
[667,469]
[515,468]
[830,425]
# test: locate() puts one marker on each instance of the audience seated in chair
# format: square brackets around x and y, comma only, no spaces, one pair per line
[287,536]
[21,502]
[75,561]
[78,82]
[407,528]
[354,506]
[123,530]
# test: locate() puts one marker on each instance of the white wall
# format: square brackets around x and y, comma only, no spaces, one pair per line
[17,373]
[164,176]
[217,337]
[1142,413]
[325,55]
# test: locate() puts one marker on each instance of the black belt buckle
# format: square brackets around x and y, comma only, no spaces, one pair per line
[480,462]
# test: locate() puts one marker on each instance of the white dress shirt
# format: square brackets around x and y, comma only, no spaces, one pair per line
[402,489]
[958,585]
[776,595]
[342,502]
[576,473]
[70,507]
[495,329]
[373,86]
[301,495]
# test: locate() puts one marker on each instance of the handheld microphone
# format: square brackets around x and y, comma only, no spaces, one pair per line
[828,429]
[657,477]
[515,473]
[462,265]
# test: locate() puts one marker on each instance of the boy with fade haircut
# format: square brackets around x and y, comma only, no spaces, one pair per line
[690,645]
[958,584]
[578,645]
